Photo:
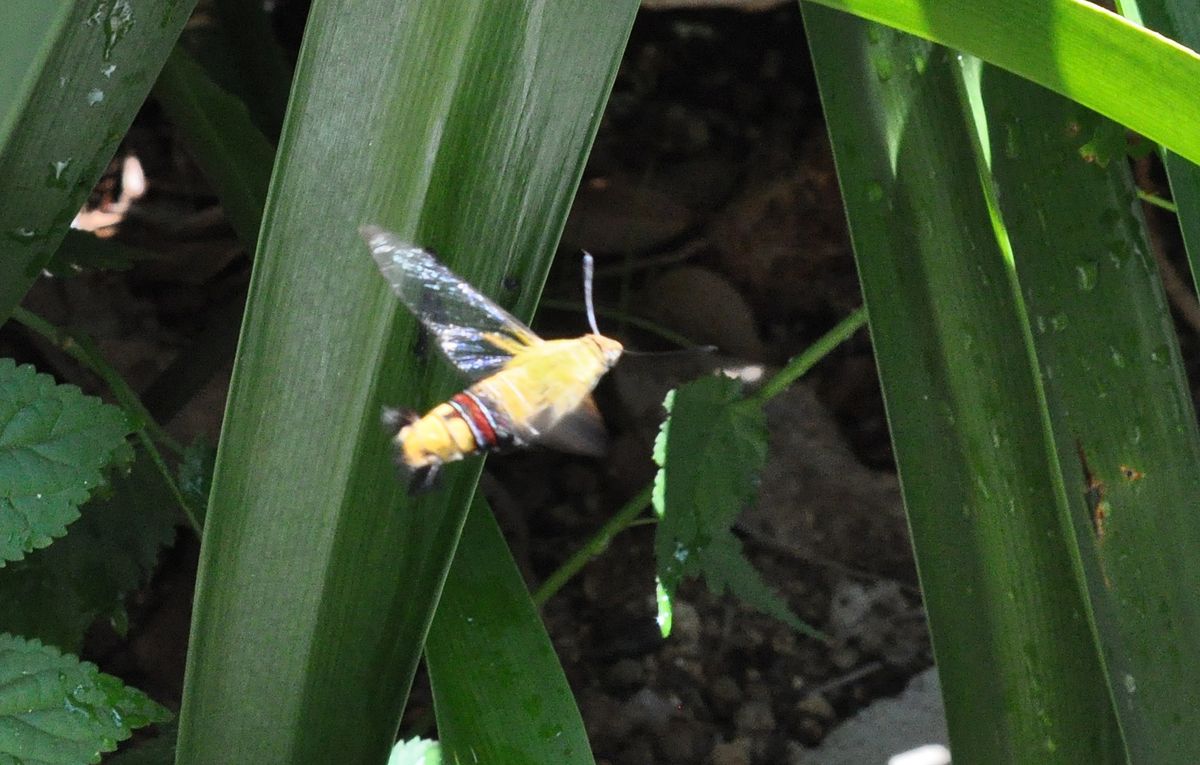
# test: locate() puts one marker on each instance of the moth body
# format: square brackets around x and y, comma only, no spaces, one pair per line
[524,391]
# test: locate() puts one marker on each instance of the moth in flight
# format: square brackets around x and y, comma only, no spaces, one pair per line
[524,390]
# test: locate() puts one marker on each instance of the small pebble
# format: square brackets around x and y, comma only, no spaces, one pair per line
[638,752]
[736,752]
[755,716]
[725,691]
[784,643]
[797,754]
[810,730]
[625,674]
[682,741]
[603,717]
[649,710]
[758,691]
[816,705]
[686,625]
[843,657]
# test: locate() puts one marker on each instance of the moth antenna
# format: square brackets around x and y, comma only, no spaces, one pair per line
[589,269]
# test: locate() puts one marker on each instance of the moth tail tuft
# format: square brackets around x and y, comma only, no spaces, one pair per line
[422,479]
[395,420]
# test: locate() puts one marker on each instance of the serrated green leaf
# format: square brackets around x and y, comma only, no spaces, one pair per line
[53,442]
[725,568]
[58,710]
[54,594]
[710,451]
[81,252]
[416,751]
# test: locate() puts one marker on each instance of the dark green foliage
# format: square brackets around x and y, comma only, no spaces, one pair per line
[217,128]
[159,750]
[195,475]
[81,252]
[55,593]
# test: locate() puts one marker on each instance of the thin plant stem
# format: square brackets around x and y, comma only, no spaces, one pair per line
[598,543]
[165,472]
[1157,201]
[800,364]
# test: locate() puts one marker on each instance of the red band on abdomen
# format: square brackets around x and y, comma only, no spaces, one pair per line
[481,424]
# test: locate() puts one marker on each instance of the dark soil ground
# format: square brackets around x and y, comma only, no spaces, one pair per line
[711,203]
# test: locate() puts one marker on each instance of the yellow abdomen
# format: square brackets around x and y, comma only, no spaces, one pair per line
[440,436]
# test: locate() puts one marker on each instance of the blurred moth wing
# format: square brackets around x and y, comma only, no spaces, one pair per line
[524,391]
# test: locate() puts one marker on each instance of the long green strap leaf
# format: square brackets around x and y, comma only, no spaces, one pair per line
[1073,47]
[465,128]
[1021,680]
[1125,429]
[498,689]
[72,76]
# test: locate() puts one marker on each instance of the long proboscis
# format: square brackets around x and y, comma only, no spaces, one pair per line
[589,270]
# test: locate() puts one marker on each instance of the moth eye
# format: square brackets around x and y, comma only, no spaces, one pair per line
[421,346]
[510,283]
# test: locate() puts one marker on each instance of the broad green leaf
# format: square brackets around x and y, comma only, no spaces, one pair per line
[81,252]
[710,450]
[54,594]
[216,127]
[57,710]
[1074,47]
[1020,673]
[1120,403]
[416,751]
[53,443]
[72,77]
[466,128]
[498,690]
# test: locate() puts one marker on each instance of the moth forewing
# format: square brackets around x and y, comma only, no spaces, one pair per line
[525,390]
[475,335]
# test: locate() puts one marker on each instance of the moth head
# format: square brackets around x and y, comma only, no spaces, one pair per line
[610,349]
